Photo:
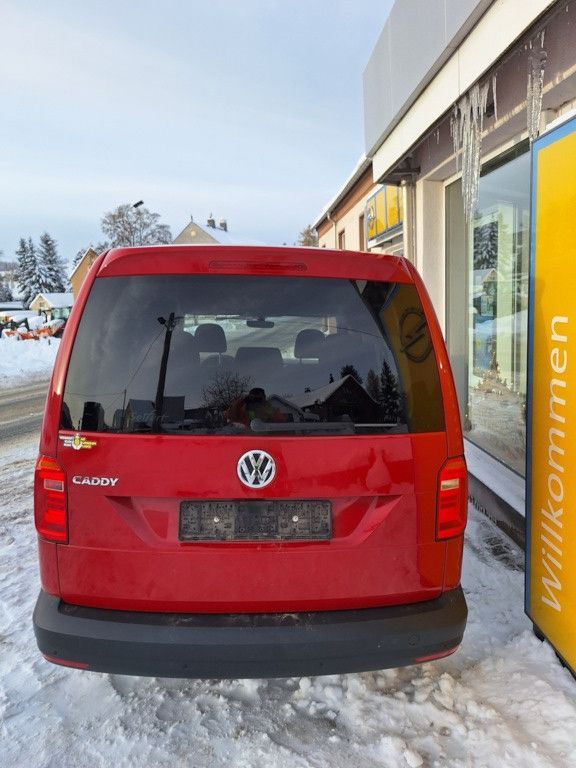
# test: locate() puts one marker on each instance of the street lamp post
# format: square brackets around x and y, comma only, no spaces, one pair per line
[136,207]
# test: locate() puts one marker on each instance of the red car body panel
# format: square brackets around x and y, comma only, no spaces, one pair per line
[124,552]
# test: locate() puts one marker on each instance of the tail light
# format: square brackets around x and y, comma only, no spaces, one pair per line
[452,499]
[50,504]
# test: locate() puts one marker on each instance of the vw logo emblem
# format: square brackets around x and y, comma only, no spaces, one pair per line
[256,469]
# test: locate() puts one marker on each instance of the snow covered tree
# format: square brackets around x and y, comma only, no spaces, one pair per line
[52,264]
[308,237]
[32,276]
[5,292]
[26,270]
[485,246]
[127,225]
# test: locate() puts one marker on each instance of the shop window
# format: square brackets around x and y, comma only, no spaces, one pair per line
[490,289]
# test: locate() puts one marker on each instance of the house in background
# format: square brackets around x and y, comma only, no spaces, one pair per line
[344,397]
[81,270]
[211,233]
[55,306]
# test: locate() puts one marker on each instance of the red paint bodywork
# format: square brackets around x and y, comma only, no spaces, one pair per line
[123,550]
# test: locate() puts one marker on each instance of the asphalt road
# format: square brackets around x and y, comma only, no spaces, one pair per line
[21,409]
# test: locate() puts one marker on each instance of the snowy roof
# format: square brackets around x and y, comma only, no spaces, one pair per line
[224,237]
[56,299]
[220,236]
[319,395]
[81,261]
[480,275]
[362,164]
[22,315]
[11,305]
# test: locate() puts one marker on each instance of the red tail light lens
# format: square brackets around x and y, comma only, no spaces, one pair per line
[452,499]
[50,505]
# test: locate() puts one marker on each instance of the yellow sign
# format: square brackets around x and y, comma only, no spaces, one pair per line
[384,211]
[551,468]
[392,210]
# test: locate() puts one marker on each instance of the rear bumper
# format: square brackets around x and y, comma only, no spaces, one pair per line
[248,645]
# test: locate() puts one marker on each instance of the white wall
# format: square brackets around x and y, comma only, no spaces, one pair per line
[430,256]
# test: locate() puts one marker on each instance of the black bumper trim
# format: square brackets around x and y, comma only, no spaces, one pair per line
[248,645]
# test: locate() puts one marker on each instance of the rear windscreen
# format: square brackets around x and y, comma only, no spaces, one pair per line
[235,355]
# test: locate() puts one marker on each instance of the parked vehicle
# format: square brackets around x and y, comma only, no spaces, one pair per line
[251,465]
[35,327]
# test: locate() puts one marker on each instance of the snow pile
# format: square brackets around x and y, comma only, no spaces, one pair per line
[502,701]
[26,360]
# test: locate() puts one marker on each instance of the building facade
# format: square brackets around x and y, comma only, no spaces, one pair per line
[455,91]
[363,215]
[81,270]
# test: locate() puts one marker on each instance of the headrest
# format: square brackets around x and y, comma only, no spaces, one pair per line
[185,345]
[309,343]
[210,337]
[269,358]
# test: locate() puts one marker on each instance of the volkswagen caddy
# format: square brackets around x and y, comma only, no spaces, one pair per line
[251,465]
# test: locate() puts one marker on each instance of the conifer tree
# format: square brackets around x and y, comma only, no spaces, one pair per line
[390,399]
[350,370]
[373,386]
[5,292]
[49,261]
[40,278]
[31,275]
[485,246]
[25,271]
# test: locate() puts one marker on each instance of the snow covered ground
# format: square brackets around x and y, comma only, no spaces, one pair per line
[26,361]
[502,701]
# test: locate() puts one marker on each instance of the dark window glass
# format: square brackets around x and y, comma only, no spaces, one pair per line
[216,354]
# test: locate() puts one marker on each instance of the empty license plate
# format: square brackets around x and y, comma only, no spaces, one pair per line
[255,520]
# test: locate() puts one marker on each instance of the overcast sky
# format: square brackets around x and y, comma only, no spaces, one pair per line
[248,109]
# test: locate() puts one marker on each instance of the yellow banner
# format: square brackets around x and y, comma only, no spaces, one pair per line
[551,482]
[384,211]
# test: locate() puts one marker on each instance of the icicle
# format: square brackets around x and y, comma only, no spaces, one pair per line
[494,97]
[466,127]
[535,87]
[455,133]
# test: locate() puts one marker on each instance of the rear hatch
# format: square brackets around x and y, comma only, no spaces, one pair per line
[252,437]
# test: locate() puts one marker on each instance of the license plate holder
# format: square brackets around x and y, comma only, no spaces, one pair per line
[256,520]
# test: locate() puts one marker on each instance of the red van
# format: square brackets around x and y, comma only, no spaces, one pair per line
[251,465]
